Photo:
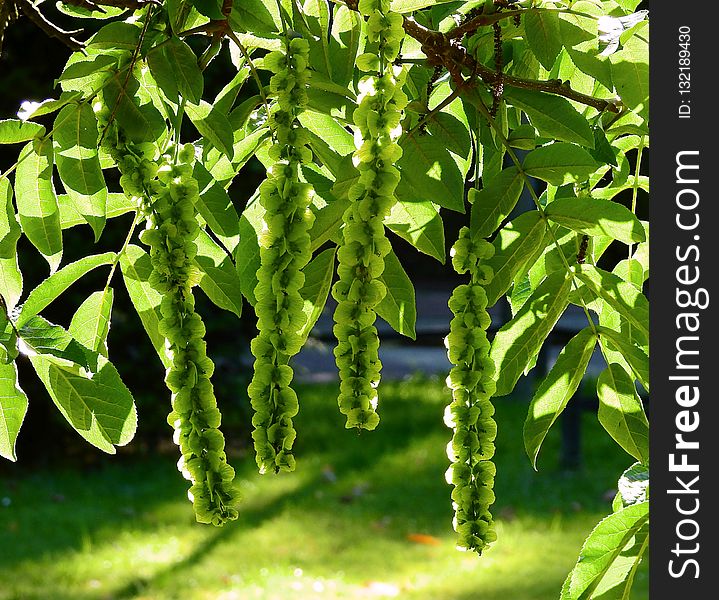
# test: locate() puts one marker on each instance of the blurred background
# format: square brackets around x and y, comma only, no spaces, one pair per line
[364,516]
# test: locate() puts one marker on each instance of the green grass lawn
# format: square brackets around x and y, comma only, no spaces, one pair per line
[364,516]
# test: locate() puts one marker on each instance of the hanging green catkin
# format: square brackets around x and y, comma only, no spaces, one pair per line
[364,244]
[284,251]
[472,383]
[166,194]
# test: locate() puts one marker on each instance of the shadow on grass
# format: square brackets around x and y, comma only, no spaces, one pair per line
[386,484]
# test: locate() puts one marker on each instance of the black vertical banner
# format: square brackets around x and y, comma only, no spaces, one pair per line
[684,299]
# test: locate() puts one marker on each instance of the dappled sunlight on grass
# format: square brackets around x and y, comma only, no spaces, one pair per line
[365,516]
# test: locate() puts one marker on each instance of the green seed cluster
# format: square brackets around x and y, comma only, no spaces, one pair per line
[364,244]
[284,251]
[472,383]
[166,193]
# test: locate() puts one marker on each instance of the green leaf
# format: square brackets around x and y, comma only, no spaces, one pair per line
[408,6]
[14,131]
[493,203]
[39,336]
[599,551]
[10,281]
[224,169]
[430,171]
[9,227]
[603,151]
[216,208]
[630,72]
[621,412]
[517,342]
[75,144]
[247,254]
[635,357]
[623,297]
[556,389]
[8,338]
[36,200]
[560,163]
[329,130]
[140,121]
[541,30]
[100,408]
[597,217]
[90,324]
[209,8]
[174,67]
[553,116]
[398,306]
[85,74]
[90,11]
[213,125]
[220,280]
[118,203]
[420,224]
[516,246]
[45,293]
[136,268]
[344,43]
[318,281]
[13,406]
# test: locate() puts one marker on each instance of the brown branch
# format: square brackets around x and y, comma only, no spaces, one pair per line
[481,21]
[49,28]
[439,46]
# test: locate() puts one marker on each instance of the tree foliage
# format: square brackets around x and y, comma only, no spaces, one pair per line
[373,118]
